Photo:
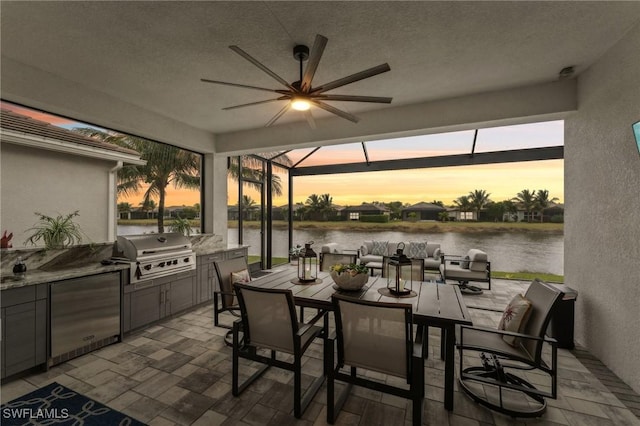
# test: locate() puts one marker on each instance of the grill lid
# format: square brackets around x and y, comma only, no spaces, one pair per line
[135,247]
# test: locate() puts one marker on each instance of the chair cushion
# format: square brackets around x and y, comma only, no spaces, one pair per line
[478,260]
[514,318]
[417,250]
[379,248]
[241,276]
[331,248]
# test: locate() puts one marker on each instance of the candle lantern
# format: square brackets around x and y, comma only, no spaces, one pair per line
[307,264]
[399,276]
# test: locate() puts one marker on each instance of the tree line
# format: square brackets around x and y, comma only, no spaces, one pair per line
[321,207]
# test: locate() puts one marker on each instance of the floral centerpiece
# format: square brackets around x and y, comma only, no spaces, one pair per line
[350,277]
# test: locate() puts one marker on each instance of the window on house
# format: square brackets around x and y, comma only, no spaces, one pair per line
[354,216]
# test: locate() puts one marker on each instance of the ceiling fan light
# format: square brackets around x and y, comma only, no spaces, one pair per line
[300,104]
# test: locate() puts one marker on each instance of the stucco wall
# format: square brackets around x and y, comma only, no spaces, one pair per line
[602,220]
[42,181]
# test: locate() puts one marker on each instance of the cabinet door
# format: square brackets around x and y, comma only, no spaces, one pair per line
[180,294]
[24,329]
[146,306]
[19,339]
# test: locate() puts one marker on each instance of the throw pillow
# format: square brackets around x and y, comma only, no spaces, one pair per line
[417,250]
[436,254]
[515,317]
[465,263]
[363,250]
[242,276]
[380,248]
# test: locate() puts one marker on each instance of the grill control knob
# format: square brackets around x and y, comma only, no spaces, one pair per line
[161,264]
[175,262]
[187,260]
[147,267]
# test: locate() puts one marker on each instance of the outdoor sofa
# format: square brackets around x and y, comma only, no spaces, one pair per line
[374,251]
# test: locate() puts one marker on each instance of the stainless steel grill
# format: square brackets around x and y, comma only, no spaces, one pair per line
[155,255]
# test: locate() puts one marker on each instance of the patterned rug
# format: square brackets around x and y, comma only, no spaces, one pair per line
[59,405]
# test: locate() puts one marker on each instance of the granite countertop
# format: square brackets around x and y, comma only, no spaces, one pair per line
[45,266]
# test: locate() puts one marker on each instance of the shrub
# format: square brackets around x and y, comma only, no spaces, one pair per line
[378,218]
[557,218]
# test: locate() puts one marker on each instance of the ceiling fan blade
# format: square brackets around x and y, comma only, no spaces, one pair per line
[246,86]
[335,111]
[277,116]
[314,59]
[352,78]
[261,66]
[255,103]
[310,120]
[349,98]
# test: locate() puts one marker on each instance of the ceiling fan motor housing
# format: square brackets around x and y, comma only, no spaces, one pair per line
[301,52]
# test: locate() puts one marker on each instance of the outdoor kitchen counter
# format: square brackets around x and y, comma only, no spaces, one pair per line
[204,244]
[38,276]
[45,266]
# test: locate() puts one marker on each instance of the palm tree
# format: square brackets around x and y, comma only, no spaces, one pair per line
[542,201]
[166,165]
[443,216]
[125,207]
[527,199]
[148,206]
[326,206]
[252,171]
[463,203]
[248,206]
[478,199]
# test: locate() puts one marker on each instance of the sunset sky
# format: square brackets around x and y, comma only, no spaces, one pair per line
[502,181]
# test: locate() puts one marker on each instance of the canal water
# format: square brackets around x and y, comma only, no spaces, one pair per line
[507,251]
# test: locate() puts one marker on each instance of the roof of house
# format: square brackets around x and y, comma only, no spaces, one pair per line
[425,206]
[367,207]
[11,121]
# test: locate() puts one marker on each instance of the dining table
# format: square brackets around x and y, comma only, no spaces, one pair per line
[434,304]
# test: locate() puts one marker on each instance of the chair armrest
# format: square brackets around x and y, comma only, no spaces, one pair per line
[225,293]
[311,323]
[546,339]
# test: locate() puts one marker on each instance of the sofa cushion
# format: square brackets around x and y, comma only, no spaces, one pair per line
[431,249]
[417,250]
[370,258]
[436,254]
[379,248]
[514,318]
[432,264]
[478,260]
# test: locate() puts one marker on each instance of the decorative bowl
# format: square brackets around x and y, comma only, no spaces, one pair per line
[349,282]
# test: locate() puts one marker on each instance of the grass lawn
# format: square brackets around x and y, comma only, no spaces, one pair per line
[416,227]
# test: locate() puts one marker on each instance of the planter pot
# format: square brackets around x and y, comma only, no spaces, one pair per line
[349,282]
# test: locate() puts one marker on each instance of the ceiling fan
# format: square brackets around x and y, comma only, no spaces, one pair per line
[301,95]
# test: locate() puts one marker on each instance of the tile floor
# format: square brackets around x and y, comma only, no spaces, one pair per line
[178,372]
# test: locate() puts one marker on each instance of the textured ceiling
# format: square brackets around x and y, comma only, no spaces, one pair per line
[153,54]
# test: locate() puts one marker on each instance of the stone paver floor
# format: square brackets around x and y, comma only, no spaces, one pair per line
[179,372]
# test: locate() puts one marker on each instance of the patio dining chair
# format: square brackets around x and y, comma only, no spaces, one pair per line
[269,322]
[224,299]
[374,336]
[496,379]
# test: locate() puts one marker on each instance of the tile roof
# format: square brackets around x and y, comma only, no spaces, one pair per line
[425,206]
[9,120]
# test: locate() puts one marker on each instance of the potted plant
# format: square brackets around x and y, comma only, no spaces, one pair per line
[56,232]
[294,253]
[350,277]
